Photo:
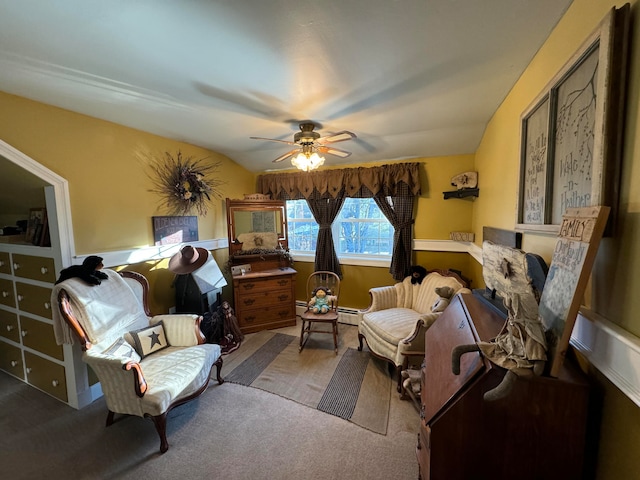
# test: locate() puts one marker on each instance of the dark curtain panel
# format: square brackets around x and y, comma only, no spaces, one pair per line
[324,212]
[325,191]
[399,211]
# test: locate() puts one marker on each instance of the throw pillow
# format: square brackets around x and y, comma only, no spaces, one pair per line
[123,350]
[150,339]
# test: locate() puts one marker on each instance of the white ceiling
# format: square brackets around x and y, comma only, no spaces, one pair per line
[411,78]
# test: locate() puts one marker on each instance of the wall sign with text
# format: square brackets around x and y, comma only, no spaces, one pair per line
[178,229]
[571,136]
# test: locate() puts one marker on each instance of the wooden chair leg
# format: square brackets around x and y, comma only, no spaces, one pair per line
[335,336]
[360,337]
[110,418]
[218,364]
[160,421]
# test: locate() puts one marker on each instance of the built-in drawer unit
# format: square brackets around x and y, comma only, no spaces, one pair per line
[9,327]
[46,375]
[34,299]
[7,296]
[35,268]
[39,336]
[5,263]
[11,360]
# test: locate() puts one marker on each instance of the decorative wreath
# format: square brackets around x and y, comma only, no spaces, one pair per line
[186,184]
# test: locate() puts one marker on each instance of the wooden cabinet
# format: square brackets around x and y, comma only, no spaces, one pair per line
[28,349]
[265,299]
[538,431]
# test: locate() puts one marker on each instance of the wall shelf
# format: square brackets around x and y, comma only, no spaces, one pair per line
[462,193]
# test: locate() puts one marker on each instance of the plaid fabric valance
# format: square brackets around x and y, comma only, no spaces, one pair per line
[383,179]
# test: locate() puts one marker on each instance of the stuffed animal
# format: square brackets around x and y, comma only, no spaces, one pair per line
[89,271]
[321,300]
[417,274]
[445,294]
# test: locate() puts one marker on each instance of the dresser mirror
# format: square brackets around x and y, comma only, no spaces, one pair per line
[256,226]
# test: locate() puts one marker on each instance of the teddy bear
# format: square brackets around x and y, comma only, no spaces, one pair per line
[418,272]
[89,271]
[445,294]
[321,300]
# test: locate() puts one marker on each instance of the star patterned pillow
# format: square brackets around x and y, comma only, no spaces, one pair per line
[150,339]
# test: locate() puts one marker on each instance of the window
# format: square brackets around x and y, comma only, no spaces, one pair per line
[360,229]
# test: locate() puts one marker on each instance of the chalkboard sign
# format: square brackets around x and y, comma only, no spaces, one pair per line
[580,233]
[170,230]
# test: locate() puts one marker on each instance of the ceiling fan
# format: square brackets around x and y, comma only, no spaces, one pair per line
[307,142]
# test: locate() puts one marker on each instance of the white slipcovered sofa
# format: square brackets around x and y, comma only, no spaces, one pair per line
[395,322]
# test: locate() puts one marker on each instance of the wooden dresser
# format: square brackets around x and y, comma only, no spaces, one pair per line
[538,432]
[265,299]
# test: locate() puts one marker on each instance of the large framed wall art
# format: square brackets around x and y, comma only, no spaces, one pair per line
[571,135]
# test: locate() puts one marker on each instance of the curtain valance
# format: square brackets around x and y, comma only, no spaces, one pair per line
[383,179]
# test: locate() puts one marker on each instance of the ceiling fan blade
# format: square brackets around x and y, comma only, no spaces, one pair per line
[337,137]
[286,155]
[333,151]
[273,140]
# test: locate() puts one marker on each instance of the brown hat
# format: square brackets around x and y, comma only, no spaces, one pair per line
[188,259]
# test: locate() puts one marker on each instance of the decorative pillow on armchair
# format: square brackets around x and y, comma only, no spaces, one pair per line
[150,339]
[123,350]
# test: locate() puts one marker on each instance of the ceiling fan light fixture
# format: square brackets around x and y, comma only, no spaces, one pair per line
[307,161]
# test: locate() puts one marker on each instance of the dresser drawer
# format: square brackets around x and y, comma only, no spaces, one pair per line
[251,286]
[35,268]
[34,299]
[11,360]
[39,336]
[5,263]
[9,327]
[6,293]
[266,315]
[46,375]
[277,297]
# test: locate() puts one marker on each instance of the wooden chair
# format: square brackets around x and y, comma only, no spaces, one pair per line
[330,282]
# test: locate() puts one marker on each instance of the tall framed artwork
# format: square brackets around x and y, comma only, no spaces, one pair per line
[571,135]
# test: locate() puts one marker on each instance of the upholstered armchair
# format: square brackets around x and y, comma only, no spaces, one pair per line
[395,322]
[146,365]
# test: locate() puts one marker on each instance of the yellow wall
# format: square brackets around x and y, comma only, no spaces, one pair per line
[107,167]
[614,277]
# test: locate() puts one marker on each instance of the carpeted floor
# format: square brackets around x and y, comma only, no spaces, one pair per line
[351,385]
[230,431]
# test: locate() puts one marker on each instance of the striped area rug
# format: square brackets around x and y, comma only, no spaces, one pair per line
[352,385]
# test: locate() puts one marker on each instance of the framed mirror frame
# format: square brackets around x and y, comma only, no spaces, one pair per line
[571,135]
[246,217]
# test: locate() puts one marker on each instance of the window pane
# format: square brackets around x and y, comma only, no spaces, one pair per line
[359,229]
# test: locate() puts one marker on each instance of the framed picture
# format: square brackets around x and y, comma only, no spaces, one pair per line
[571,142]
[174,229]
[36,226]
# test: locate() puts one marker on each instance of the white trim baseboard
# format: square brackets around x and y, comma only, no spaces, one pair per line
[611,349]
[139,255]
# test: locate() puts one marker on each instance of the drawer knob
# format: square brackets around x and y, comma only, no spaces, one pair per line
[24,333]
[10,327]
[14,363]
[47,305]
[20,298]
[1,263]
[28,370]
[44,270]
[5,294]
[55,383]
[16,266]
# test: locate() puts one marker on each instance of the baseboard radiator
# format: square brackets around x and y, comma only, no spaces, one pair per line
[350,316]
